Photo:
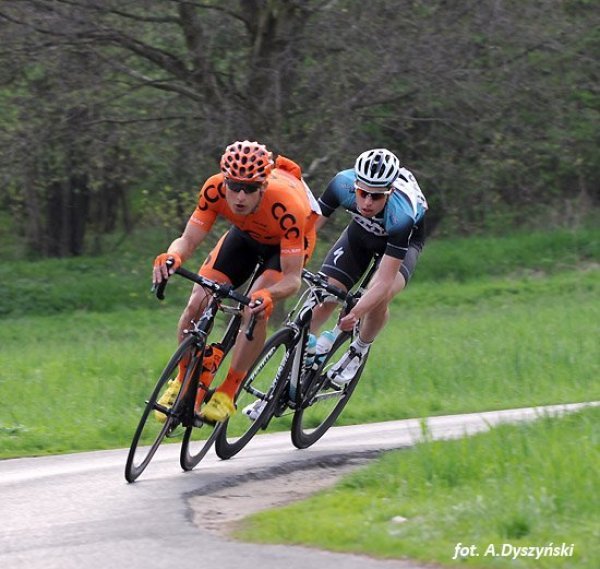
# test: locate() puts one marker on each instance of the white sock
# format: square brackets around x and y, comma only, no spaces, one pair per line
[360,346]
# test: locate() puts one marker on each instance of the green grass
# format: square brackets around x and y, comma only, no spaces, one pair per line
[120,279]
[76,381]
[528,485]
[486,324]
[83,340]
[520,254]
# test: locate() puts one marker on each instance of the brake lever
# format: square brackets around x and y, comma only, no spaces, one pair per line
[159,289]
[250,328]
[252,322]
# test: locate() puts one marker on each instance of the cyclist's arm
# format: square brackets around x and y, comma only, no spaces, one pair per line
[321,221]
[381,286]
[189,241]
[381,290]
[291,269]
[289,284]
[184,246]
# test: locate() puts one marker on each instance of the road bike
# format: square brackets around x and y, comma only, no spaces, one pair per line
[282,381]
[193,352]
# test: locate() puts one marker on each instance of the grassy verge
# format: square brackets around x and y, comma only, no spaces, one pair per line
[525,486]
[82,340]
[77,381]
[121,279]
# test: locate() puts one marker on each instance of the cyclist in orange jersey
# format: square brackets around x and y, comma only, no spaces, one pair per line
[273,214]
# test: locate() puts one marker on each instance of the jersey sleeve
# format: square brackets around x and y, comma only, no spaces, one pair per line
[293,221]
[331,198]
[399,239]
[207,208]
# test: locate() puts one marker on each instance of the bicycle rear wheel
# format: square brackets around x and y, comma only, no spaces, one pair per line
[323,402]
[259,385]
[151,432]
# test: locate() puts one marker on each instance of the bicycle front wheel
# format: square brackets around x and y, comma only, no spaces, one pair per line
[197,441]
[158,422]
[263,385]
[322,401]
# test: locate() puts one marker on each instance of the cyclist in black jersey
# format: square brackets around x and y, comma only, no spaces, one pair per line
[388,211]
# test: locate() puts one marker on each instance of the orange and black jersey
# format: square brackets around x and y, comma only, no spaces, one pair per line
[284,215]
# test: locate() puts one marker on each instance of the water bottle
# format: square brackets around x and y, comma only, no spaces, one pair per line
[325,342]
[311,350]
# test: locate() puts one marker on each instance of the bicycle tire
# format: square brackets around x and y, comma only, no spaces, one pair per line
[195,445]
[141,450]
[322,403]
[193,451]
[238,430]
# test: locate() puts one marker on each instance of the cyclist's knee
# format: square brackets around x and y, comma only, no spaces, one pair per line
[195,304]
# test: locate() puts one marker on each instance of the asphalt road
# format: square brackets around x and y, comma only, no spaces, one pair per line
[77,511]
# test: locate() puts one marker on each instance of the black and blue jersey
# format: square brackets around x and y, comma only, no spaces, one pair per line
[400,222]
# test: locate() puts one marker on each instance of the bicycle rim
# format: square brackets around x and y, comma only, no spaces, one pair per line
[199,437]
[259,385]
[150,432]
[197,441]
[323,402]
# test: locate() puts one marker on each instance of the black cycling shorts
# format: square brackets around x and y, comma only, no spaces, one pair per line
[352,253]
[236,255]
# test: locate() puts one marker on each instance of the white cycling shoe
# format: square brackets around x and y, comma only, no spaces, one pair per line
[254,410]
[345,369]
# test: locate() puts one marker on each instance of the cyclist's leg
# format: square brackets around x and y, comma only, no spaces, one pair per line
[215,269]
[344,264]
[246,351]
[322,312]
[238,261]
[376,319]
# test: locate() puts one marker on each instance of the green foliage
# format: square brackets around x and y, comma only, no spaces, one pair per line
[82,345]
[493,107]
[122,279]
[528,485]
[520,253]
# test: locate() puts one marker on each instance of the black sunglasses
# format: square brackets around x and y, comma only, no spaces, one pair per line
[375,196]
[237,187]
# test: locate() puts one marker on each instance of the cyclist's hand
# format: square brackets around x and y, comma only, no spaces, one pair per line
[348,322]
[262,303]
[160,272]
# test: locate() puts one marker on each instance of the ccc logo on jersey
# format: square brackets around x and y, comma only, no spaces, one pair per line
[211,194]
[286,221]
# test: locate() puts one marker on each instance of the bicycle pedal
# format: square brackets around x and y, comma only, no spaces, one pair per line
[198,421]
[333,386]
[174,431]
